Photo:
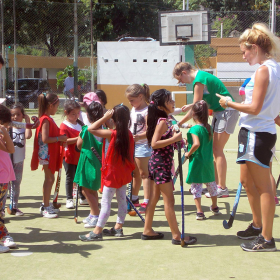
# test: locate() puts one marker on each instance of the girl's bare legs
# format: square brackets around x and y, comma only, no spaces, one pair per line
[168,198]
[219,142]
[272,180]
[197,202]
[261,177]
[47,186]
[92,198]
[150,210]
[214,201]
[252,193]
[142,164]
[136,180]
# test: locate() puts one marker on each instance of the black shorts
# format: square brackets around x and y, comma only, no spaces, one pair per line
[255,147]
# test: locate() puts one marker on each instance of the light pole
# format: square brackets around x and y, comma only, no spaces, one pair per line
[3,71]
[15,55]
[91,48]
[75,64]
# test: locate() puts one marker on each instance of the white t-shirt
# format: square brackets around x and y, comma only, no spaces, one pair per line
[19,143]
[264,121]
[139,117]
[83,117]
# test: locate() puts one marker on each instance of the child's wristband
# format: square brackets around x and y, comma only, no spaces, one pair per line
[56,138]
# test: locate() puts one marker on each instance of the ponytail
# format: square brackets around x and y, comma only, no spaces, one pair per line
[45,100]
[200,113]
[135,90]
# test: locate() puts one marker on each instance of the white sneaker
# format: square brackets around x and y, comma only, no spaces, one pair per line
[69,204]
[220,191]
[55,210]
[83,201]
[8,241]
[87,219]
[4,249]
[92,223]
[49,213]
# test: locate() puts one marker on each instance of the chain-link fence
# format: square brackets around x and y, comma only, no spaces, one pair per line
[44,33]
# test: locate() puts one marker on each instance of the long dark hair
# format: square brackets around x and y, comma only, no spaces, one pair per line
[121,117]
[158,98]
[5,115]
[94,111]
[200,113]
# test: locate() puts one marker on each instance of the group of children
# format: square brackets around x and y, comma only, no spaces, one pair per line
[98,146]
[100,151]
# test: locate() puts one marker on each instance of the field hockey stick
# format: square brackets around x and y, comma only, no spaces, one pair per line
[135,209]
[76,206]
[176,127]
[58,179]
[129,189]
[33,125]
[228,225]
[183,160]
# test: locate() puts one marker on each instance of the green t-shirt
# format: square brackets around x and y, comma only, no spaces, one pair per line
[212,85]
[88,173]
[201,162]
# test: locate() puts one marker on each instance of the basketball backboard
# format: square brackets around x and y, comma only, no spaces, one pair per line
[184,28]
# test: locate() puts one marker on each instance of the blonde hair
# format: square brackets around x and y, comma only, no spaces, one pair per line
[261,36]
[181,66]
[135,90]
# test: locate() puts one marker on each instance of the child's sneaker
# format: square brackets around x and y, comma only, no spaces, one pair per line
[220,191]
[55,210]
[18,212]
[216,210]
[3,213]
[113,232]
[276,200]
[49,213]
[259,244]
[4,249]
[87,219]
[200,216]
[249,233]
[136,202]
[11,211]
[83,201]
[143,207]
[69,204]
[92,223]
[8,241]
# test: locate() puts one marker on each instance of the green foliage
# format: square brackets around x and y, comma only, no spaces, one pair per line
[83,75]
[201,53]
[229,24]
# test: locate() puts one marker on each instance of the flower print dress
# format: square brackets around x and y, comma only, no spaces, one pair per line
[160,163]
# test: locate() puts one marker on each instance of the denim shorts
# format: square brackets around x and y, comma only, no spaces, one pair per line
[143,150]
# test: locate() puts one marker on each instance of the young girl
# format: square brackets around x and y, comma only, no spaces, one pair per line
[88,174]
[118,159]
[47,149]
[6,174]
[71,129]
[19,136]
[201,162]
[161,139]
[138,97]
